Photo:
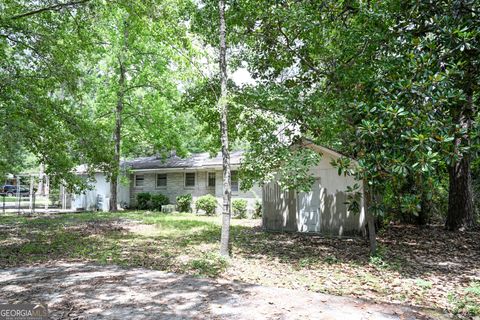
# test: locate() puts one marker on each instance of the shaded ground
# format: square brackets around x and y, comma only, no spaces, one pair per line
[428,268]
[88,291]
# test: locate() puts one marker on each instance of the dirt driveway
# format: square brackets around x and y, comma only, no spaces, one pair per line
[89,291]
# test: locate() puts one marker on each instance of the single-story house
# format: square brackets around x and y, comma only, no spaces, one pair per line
[197,175]
[322,210]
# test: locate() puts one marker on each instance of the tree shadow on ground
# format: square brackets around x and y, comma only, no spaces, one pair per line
[410,250]
[85,291]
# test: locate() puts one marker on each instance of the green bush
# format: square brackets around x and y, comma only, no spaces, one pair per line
[239,207]
[184,203]
[158,200]
[143,200]
[257,210]
[207,203]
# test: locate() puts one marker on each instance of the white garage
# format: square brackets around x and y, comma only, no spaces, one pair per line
[322,210]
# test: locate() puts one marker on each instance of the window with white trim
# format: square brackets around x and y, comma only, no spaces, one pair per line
[211,177]
[139,180]
[234,181]
[189,179]
[161,180]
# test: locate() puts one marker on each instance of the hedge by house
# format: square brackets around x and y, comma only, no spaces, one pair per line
[207,203]
[184,203]
[148,201]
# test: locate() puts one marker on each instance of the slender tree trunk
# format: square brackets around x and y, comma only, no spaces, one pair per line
[117,136]
[41,178]
[425,210]
[117,141]
[425,202]
[372,236]
[460,194]
[223,110]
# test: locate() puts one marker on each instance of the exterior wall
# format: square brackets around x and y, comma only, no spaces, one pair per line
[101,188]
[252,196]
[322,210]
[176,186]
[279,208]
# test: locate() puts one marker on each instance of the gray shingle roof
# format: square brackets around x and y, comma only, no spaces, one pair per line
[195,161]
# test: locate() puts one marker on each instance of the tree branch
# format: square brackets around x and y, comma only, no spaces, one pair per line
[50,8]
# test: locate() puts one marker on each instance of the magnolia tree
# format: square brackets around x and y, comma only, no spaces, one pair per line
[390,83]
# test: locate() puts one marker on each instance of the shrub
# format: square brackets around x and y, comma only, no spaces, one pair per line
[206,203]
[158,200]
[257,210]
[239,207]
[184,202]
[143,200]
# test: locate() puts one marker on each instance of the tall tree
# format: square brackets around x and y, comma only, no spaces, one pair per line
[448,40]
[117,135]
[391,83]
[135,80]
[223,110]
[40,83]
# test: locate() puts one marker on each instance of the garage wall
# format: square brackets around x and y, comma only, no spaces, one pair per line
[322,210]
[279,210]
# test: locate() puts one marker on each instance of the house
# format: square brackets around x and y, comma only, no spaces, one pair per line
[322,210]
[197,175]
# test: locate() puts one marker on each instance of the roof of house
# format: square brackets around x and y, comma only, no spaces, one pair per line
[195,161]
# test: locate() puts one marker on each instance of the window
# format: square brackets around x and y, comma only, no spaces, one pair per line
[211,179]
[139,179]
[234,179]
[161,180]
[189,179]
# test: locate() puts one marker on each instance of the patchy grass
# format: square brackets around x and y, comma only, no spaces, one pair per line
[467,304]
[422,267]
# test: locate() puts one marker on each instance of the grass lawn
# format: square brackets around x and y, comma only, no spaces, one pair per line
[422,267]
[26,200]
[10,199]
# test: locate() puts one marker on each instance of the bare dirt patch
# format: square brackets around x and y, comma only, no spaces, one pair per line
[88,291]
[428,268]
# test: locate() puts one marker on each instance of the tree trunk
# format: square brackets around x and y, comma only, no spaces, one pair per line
[372,237]
[117,136]
[460,194]
[41,178]
[425,203]
[223,110]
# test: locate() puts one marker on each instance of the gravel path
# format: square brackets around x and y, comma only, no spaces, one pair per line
[88,291]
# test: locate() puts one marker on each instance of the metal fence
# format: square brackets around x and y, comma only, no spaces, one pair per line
[29,193]
[26,203]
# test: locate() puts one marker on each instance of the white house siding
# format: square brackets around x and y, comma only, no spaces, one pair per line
[322,210]
[101,189]
[176,186]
